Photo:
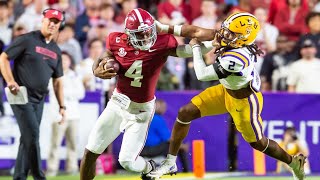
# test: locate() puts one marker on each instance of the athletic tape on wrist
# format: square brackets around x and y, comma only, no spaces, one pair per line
[177,30]
[165,28]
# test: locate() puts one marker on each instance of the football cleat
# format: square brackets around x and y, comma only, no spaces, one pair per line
[297,166]
[144,176]
[168,167]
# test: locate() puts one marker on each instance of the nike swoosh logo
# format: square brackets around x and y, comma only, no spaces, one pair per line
[151,50]
[172,168]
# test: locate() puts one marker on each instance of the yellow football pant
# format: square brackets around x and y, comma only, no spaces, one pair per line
[245,112]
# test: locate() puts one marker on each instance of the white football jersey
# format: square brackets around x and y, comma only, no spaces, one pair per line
[241,63]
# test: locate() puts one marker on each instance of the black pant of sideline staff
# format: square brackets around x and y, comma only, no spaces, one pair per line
[28,117]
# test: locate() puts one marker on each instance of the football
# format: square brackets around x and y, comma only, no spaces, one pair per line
[111,63]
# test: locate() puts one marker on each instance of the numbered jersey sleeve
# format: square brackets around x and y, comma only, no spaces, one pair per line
[234,61]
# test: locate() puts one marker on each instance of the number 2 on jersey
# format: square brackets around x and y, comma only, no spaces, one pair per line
[231,65]
[135,72]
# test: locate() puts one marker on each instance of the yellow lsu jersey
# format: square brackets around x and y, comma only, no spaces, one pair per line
[240,62]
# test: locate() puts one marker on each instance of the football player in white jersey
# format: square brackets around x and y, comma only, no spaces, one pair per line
[238,93]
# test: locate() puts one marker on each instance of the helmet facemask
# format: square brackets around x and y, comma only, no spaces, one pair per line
[226,37]
[144,37]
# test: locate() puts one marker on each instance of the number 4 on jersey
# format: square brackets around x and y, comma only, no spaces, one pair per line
[135,72]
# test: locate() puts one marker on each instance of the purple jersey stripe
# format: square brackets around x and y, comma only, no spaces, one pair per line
[251,119]
[258,111]
[230,55]
[242,56]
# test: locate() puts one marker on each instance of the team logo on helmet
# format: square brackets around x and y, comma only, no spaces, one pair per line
[239,29]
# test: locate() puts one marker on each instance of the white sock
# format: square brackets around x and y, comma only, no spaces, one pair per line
[171,157]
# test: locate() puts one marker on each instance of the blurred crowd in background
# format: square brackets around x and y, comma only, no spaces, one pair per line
[289,36]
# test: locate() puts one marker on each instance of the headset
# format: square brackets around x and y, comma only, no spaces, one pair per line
[63,22]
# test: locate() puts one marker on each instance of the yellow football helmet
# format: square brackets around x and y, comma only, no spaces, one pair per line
[239,29]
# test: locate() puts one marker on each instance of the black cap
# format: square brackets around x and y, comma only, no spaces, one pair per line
[307,43]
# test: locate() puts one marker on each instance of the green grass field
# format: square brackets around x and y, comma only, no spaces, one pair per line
[181,176]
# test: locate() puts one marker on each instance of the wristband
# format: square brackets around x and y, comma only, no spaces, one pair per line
[195,45]
[177,30]
[63,107]
[164,28]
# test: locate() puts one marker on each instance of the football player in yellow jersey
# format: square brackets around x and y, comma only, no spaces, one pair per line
[238,93]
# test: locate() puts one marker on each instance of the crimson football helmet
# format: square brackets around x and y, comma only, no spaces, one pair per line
[141,29]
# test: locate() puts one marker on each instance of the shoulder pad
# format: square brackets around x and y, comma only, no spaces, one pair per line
[234,61]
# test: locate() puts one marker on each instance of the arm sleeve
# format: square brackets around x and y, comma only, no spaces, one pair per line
[203,72]
[17,47]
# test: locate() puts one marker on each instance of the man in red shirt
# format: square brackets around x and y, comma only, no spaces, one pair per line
[141,54]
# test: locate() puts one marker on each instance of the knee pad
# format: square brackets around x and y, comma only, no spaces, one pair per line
[127,165]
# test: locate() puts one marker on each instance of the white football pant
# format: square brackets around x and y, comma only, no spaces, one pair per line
[134,121]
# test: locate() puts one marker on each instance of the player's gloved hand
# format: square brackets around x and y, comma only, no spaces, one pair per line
[161,28]
[102,73]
